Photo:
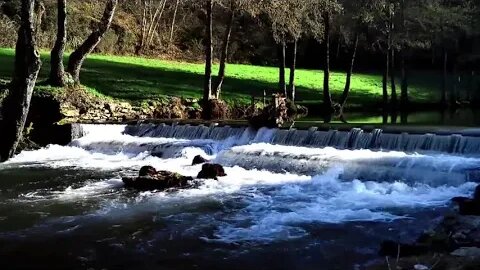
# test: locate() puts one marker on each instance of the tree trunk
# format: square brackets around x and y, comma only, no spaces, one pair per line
[404,83]
[337,54]
[224,56]
[39,12]
[404,91]
[327,97]
[207,89]
[386,73]
[444,78]
[27,66]
[141,39]
[394,99]
[77,58]
[454,86]
[172,28]
[346,90]
[155,22]
[57,70]
[282,85]
[293,67]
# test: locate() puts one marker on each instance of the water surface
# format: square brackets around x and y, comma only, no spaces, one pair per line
[280,207]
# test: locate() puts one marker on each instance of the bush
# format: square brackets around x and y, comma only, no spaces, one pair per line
[108,43]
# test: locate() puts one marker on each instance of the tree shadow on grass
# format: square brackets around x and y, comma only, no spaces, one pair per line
[136,83]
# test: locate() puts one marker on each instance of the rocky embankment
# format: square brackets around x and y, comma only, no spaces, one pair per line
[454,244]
[74,105]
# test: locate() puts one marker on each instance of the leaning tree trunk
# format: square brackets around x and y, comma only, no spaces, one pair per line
[27,66]
[207,88]
[346,90]
[57,70]
[443,100]
[282,85]
[392,79]
[224,56]
[77,58]
[293,67]
[156,22]
[327,97]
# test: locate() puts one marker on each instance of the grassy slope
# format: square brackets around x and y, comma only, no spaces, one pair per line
[139,79]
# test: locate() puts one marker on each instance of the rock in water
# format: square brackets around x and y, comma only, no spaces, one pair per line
[151,179]
[147,171]
[211,171]
[468,206]
[199,160]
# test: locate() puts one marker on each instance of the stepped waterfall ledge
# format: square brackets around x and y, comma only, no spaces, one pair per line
[311,191]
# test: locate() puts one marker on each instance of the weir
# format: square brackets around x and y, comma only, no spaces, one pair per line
[457,141]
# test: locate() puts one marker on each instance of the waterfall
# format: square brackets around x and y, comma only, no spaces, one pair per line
[466,142]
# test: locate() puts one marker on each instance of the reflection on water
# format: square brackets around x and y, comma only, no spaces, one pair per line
[458,117]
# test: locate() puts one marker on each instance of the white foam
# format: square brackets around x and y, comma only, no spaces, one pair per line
[280,214]
[89,190]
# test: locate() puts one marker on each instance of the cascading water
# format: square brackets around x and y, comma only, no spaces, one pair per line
[306,196]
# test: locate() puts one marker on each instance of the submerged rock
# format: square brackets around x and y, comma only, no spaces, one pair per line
[199,160]
[151,179]
[469,206]
[211,171]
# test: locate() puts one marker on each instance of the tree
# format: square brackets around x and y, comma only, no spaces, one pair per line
[233,7]
[207,88]
[57,70]
[77,58]
[224,53]
[152,12]
[355,19]
[319,20]
[446,21]
[174,18]
[288,24]
[27,65]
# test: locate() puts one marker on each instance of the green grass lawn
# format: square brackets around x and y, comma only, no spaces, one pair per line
[138,79]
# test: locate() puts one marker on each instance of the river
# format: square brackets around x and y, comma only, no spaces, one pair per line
[285,203]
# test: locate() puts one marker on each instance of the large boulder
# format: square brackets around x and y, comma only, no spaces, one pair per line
[211,171]
[151,179]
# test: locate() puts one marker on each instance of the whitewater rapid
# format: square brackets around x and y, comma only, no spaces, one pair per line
[271,192]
